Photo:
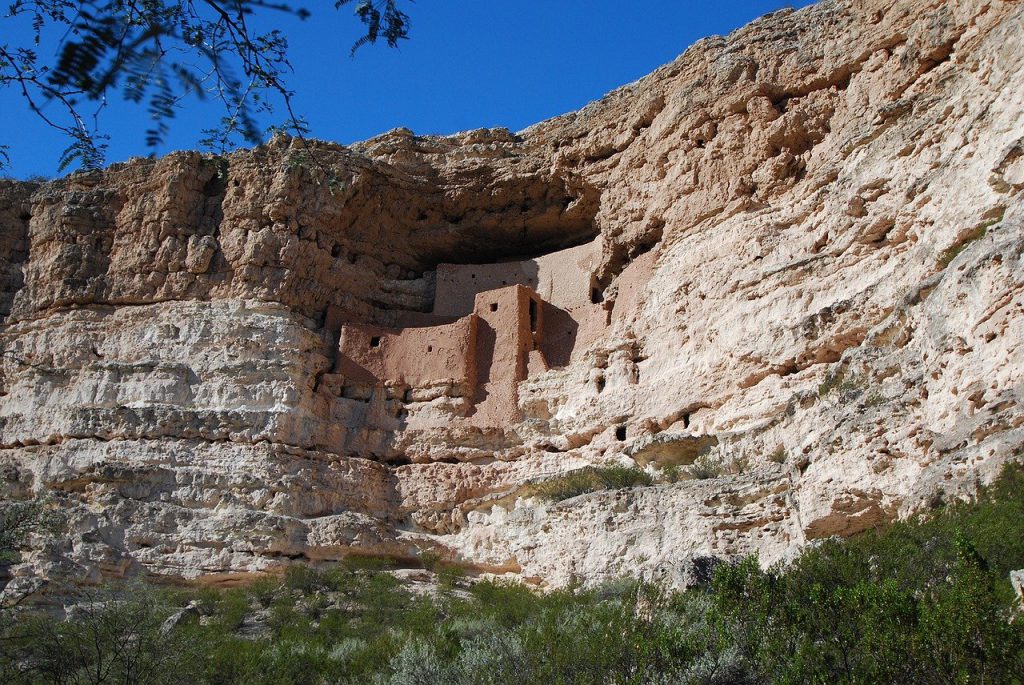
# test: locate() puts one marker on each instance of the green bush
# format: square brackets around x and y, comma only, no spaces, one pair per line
[923,601]
[116,635]
[590,479]
[917,602]
[975,234]
[704,468]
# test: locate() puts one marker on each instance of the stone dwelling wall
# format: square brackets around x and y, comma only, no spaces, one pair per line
[418,357]
[566,278]
[485,354]
[510,328]
[458,285]
[563,280]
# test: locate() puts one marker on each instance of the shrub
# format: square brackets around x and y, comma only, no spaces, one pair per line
[975,234]
[705,467]
[303,578]
[590,479]
[915,602]
[116,635]
[738,464]
[874,399]
[671,473]
[841,382]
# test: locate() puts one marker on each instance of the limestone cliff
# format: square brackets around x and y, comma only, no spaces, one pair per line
[796,252]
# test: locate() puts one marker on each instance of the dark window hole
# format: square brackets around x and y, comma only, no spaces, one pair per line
[494,306]
[533,315]
[686,420]
[620,433]
[375,341]
[430,348]
[596,296]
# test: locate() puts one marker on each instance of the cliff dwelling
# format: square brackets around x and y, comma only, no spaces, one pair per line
[491,327]
[781,276]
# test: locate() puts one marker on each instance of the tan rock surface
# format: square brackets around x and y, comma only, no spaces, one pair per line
[808,267]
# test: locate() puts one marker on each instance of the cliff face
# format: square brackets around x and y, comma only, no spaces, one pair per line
[796,253]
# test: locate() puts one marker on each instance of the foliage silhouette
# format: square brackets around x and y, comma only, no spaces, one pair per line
[160,53]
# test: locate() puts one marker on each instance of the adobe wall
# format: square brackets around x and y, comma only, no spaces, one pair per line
[564,282]
[418,357]
[562,278]
[458,285]
[509,330]
[565,278]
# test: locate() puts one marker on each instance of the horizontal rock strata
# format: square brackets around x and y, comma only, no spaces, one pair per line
[795,254]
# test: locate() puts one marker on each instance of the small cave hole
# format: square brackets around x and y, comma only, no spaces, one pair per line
[494,306]
[686,420]
[336,251]
[430,348]
[472,275]
[375,341]
[620,433]
[596,296]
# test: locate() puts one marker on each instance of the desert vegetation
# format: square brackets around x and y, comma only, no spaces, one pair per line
[925,601]
[590,479]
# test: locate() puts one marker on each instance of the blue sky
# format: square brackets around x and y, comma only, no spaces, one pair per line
[468,64]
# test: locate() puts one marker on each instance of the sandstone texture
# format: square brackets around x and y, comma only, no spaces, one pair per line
[796,253]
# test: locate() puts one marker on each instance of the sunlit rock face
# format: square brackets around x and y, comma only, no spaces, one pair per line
[796,254]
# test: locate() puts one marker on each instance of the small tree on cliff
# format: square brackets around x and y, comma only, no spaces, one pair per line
[158,54]
[18,520]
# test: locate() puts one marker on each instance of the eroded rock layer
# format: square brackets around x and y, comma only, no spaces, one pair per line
[795,256]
